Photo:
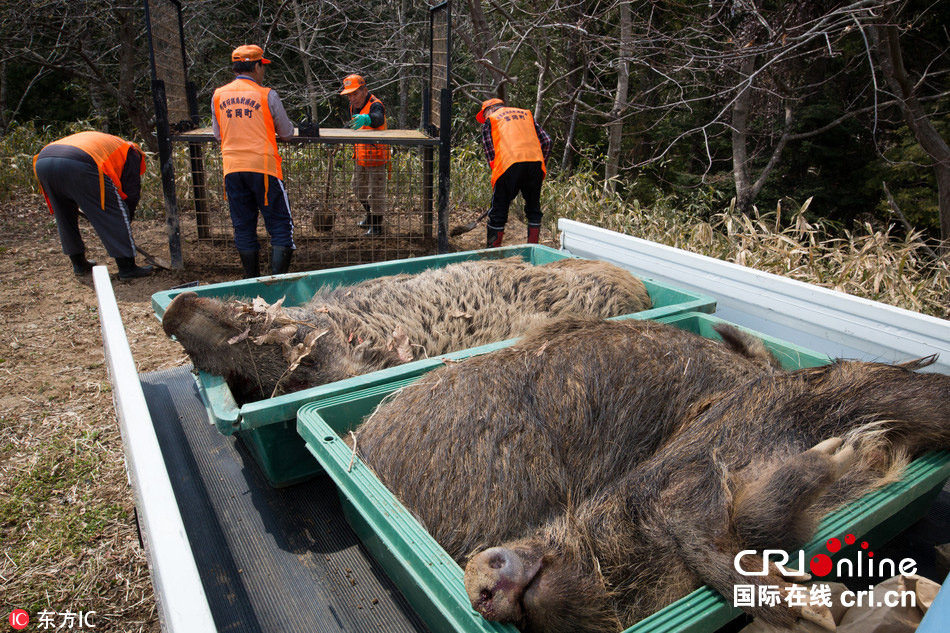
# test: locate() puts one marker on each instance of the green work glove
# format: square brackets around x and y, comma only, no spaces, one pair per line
[359,120]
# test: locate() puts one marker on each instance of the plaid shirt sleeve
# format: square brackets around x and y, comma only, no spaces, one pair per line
[488,144]
[545,141]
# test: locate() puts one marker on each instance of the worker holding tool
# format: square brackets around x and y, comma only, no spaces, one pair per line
[371,171]
[247,118]
[516,149]
[99,176]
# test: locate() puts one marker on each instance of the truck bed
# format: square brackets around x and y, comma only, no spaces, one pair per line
[270,559]
[228,552]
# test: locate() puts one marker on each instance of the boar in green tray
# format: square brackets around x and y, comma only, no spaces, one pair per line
[594,473]
[265,350]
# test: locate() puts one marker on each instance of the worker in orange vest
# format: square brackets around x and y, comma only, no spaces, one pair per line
[372,160]
[99,175]
[246,118]
[516,149]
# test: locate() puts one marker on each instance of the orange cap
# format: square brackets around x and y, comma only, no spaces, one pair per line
[480,117]
[249,53]
[352,83]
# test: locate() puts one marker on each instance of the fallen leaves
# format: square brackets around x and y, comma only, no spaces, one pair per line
[400,344]
[280,329]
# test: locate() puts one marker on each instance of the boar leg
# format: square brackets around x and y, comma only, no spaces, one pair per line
[774,508]
[713,560]
[769,510]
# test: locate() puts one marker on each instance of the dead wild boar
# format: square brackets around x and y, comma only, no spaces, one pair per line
[483,450]
[264,350]
[751,469]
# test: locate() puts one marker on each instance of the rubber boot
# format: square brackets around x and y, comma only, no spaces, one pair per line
[81,265]
[534,234]
[280,259]
[128,269]
[375,226]
[367,220]
[494,237]
[251,261]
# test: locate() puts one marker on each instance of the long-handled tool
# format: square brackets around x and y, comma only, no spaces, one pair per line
[465,228]
[151,259]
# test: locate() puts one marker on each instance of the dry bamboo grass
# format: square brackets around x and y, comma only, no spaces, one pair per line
[872,262]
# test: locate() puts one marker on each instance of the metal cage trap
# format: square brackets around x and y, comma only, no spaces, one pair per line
[317,169]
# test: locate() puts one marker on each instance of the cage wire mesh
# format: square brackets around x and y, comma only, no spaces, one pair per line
[169,58]
[318,178]
[317,174]
[439,70]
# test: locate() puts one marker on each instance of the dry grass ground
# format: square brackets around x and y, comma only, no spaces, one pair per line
[67,525]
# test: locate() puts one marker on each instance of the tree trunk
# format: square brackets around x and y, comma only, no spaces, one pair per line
[309,87]
[885,39]
[615,127]
[486,54]
[740,139]
[3,98]
[130,63]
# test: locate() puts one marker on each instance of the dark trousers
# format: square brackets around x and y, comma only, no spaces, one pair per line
[523,178]
[73,185]
[245,191]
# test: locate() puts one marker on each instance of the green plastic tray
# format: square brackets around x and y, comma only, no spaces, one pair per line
[432,581]
[267,426]
[790,356]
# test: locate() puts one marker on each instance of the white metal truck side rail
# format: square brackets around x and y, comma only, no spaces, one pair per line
[820,319]
[182,604]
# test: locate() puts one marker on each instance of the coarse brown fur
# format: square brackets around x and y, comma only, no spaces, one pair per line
[390,320]
[745,473]
[485,449]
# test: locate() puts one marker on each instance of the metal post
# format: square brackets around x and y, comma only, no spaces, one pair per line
[445,146]
[167,167]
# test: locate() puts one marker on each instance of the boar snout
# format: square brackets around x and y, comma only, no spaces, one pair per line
[176,311]
[495,580]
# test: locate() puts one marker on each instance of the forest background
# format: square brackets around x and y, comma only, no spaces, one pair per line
[688,102]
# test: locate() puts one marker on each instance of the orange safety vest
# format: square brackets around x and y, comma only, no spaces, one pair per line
[515,140]
[371,155]
[248,137]
[110,154]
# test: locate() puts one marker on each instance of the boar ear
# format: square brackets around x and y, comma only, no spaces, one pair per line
[746,345]
[918,363]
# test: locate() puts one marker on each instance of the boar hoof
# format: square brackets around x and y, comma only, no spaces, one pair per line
[495,581]
[842,459]
[820,615]
[828,446]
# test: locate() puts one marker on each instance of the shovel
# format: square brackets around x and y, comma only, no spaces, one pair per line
[465,228]
[151,259]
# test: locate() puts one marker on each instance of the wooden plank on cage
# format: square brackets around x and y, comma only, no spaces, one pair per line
[169,59]
[335,135]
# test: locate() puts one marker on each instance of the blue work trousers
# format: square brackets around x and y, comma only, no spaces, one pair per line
[246,198]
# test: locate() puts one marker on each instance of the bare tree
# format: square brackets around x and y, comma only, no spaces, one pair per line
[96,43]
[615,127]
[884,36]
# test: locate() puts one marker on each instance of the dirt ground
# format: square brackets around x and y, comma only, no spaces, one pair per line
[67,524]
